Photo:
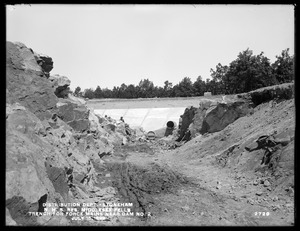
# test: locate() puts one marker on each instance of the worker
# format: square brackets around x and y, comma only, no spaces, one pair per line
[180,122]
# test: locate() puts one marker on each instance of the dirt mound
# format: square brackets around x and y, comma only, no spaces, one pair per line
[251,160]
[278,92]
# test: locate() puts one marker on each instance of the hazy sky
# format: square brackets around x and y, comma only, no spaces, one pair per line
[108,45]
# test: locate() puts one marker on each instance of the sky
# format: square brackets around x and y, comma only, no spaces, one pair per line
[107,45]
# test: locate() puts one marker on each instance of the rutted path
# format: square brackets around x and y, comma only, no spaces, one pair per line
[175,198]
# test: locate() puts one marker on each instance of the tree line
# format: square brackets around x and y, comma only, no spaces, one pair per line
[246,73]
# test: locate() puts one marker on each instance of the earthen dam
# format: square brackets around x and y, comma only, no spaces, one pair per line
[150,114]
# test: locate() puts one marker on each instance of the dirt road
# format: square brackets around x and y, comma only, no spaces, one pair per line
[217,198]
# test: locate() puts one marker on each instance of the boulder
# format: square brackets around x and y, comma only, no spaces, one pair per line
[94,122]
[18,208]
[20,57]
[207,103]
[95,147]
[25,182]
[58,178]
[11,108]
[25,84]
[26,177]
[192,119]
[8,219]
[218,117]
[196,124]
[187,119]
[211,116]
[75,115]
[110,127]
[45,62]
[37,166]
[60,85]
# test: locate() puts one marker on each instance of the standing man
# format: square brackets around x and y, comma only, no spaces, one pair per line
[180,122]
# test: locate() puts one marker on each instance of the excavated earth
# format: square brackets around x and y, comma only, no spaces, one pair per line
[225,178]
[232,166]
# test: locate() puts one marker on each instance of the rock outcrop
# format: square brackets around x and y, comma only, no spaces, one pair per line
[26,176]
[187,119]
[216,118]
[211,116]
[61,85]
[214,115]
[45,62]
[74,114]
[26,82]
[52,144]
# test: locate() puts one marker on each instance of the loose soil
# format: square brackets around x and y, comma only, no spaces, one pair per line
[203,183]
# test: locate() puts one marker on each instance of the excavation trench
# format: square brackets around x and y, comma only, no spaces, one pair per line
[138,184]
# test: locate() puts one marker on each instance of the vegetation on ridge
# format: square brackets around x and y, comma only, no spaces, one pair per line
[246,73]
